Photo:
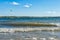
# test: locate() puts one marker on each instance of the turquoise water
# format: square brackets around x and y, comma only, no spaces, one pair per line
[31,19]
[28,19]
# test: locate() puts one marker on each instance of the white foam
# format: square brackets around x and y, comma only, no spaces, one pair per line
[34,38]
[57,24]
[42,38]
[26,29]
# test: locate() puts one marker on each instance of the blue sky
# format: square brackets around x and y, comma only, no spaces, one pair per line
[29,7]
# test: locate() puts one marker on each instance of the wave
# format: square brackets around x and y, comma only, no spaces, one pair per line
[58,24]
[29,24]
[27,29]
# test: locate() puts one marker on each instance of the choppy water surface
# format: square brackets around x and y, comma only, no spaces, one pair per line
[33,35]
[30,35]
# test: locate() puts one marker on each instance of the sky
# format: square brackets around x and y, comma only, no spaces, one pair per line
[29,7]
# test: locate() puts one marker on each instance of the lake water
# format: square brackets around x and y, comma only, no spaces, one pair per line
[30,35]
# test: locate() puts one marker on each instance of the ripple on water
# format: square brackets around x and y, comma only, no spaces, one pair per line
[26,35]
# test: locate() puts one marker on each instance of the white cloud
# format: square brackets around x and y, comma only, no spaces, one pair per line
[51,12]
[15,3]
[27,5]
